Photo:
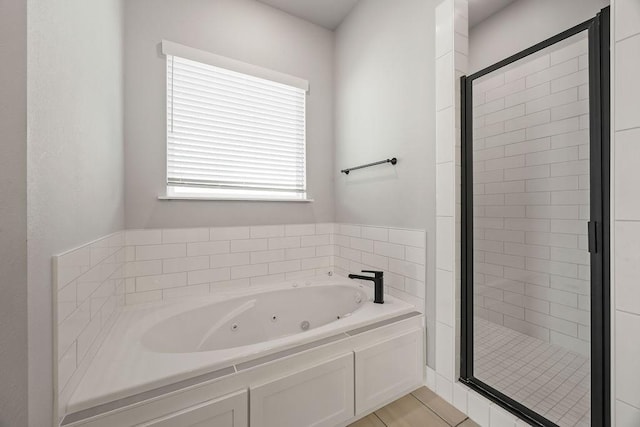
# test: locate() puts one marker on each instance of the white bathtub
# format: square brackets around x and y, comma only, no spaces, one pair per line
[158,344]
[253,319]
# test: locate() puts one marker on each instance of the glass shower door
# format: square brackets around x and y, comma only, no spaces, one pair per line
[527,243]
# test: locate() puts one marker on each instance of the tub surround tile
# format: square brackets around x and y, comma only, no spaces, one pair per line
[229,233]
[144,266]
[89,286]
[263,254]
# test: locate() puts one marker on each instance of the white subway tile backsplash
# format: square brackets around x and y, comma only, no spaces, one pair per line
[160,251]
[185,235]
[245,271]
[350,254]
[66,301]
[143,237]
[208,276]
[318,240]
[315,263]
[249,245]
[176,265]
[88,336]
[228,260]
[185,291]
[284,242]
[308,252]
[66,366]
[143,297]
[261,257]
[325,228]
[229,233]
[350,230]
[72,326]
[207,248]
[265,231]
[325,250]
[161,281]
[375,233]
[364,245]
[284,266]
[300,230]
[143,268]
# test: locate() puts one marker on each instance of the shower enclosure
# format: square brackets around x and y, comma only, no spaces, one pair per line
[535,229]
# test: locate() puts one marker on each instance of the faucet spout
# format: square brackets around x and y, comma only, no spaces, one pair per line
[378,284]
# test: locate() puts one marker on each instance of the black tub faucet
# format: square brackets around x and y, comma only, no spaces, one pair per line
[378,284]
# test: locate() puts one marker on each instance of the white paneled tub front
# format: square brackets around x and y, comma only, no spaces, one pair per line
[276,350]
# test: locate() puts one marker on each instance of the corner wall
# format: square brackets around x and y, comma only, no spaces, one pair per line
[384,69]
[75,155]
[13,213]
[245,30]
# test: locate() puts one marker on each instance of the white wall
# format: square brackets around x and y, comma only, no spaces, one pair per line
[13,213]
[531,195]
[75,154]
[522,24]
[384,108]
[626,213]
[241,29]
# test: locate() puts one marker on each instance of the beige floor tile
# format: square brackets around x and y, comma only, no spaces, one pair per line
[469,423]
[370,420]
[438,405]
[409,412]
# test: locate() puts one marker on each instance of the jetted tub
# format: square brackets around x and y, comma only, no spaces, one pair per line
[158,344]
[253,319]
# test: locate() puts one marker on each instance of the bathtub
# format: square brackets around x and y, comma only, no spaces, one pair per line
[253,319]
[158,344]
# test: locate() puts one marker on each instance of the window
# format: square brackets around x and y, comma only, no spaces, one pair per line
[234,131]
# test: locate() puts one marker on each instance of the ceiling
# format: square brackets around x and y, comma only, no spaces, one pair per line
[479,10]
[326,13]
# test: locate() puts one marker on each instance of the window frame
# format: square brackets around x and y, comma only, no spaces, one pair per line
[173,192]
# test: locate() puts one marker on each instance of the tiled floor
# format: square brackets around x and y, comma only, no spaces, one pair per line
[551,380]
[422,408]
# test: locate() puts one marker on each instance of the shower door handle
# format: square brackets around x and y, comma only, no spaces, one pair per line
[592,230]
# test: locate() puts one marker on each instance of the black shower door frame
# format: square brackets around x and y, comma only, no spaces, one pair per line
[598,227]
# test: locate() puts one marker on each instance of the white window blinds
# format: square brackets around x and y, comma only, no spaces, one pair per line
[230,131]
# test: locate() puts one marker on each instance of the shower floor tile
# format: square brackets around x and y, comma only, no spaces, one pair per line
[551,380]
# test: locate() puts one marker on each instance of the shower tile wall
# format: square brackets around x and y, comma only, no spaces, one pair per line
[531,197]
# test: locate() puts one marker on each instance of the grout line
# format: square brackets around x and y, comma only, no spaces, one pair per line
[433,410]
[383,423]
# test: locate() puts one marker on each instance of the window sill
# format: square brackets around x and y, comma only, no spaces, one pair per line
[232,199]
